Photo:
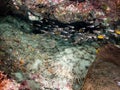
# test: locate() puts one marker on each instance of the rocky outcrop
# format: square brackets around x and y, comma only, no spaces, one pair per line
[104,73]
[63,10]
[111,8]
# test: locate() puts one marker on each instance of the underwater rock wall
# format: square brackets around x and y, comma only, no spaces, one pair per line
[44,60]
[73,10]
[72,20]
[56,9]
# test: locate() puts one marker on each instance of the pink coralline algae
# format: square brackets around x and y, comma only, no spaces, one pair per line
[56,5]
[84,7]
[64,8]
[10,84]
[7,84]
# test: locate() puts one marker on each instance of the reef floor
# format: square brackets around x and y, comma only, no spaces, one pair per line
[42,62]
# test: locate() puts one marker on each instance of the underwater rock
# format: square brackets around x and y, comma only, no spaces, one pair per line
[110,53]
[104,74]
[111,8]
[53,19]
[6,83]
[55,63]
[64,11]
[5,7]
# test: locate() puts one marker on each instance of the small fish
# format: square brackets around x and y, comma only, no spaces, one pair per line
[57,32]
[101,36]
[79,34]
[91,26]
[118,83]
[111,30]
[90,37]
[60,29]
[52,33]
[94,37]
[71,31]
[37,25]
[64,33]
[106,37]
[117,31]
[49,26]
[63,36]
[41,21]
[72,27]
[32,17]
[96,32]
[116,35]
[66,28]
[56,26]
[43,31]
[46,20]
[91,22]
[66,39]
[107,24]
[46,27]
[69,36]
[97,50]
[81,30]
